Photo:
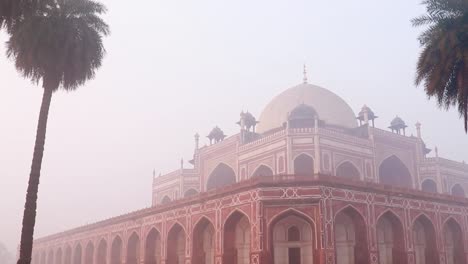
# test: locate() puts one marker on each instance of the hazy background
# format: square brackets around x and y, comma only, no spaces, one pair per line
[177,67]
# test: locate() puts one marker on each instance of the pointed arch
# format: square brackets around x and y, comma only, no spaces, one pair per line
[133,249]
[59,256]
[351,237]
[221,176]
[176,244]
[153,247]
[262,170]
[89,253]
[116,250]
[304,165]
[291,238]
[68,255]
[190,192]
[77,255]
[424,241]
[393,171]
[429,185]
[203,251]
[390,239]
[237,238]
[453,242]
[101,257]
[457,190]
[347,169]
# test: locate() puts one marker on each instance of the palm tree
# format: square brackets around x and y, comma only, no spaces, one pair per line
[61,45]
[443,62]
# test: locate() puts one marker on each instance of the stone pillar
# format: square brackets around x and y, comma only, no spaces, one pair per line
[365,110]
[289,155]
[72,254]
[164,240]
[372,240]
[142,245]
[317,160]
[95,251]
[123,256]
[418,129]
[440,187]
[108,249]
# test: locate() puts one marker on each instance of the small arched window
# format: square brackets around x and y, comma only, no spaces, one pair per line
[429,185]
[458,190]
[166,200]
[304,165]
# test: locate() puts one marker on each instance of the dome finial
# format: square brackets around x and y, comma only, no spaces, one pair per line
[305,74]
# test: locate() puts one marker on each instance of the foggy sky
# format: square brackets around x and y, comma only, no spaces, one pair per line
[177,67]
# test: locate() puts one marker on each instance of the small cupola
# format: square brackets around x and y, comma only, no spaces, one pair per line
[247,121]
[216,135]
[366,115]
[398,126]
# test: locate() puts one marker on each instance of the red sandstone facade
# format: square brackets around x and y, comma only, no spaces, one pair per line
[311,185]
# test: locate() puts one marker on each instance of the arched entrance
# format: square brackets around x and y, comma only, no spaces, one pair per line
[153,247]
[424,241]
[390,239]
[89,254]
[392,171]
[176,245]
[453,243]
[68,255]
[203,243]
[133,249]
[429,185]
[222,175]
[262,171]
[59,256]
[77,254]
[116,251]
[348,170]
[292,240]
[237,239]
[101,257]
[350,238]
[304,165]
[458,190]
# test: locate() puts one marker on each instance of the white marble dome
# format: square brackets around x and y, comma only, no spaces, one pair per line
[328,106]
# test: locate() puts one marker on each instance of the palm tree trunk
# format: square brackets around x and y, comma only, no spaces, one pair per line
[29,216]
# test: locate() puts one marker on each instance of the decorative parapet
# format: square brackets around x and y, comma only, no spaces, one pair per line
[267,139]
[388,134]
[445,163]
[343,137]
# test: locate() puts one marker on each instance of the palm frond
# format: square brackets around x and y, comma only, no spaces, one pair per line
[63,41]
[441,64]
